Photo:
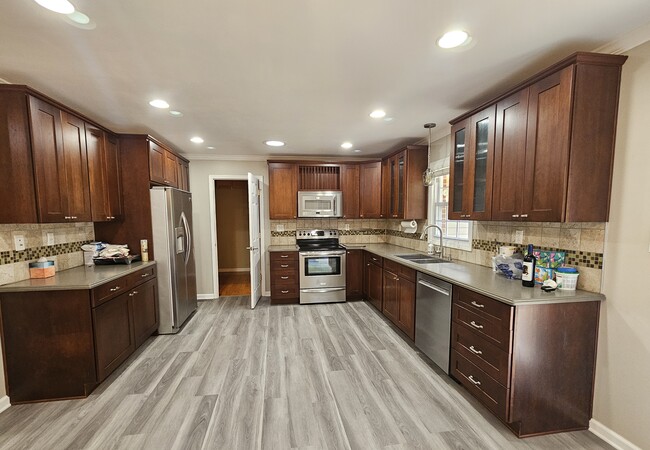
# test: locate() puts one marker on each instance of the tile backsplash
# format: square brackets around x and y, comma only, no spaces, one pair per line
[65,252]
[583,242]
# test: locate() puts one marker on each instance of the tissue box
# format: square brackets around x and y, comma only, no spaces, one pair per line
[546,258]
[542,274]
[43,269]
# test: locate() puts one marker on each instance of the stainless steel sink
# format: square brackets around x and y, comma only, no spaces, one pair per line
[422,259]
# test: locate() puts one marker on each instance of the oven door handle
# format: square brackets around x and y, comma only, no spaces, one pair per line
[323,253]
[322,291]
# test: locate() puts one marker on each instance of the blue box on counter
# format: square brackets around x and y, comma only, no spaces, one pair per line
[542,274]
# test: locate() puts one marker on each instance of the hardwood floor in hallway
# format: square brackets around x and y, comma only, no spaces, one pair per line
[233,284]
[332,376]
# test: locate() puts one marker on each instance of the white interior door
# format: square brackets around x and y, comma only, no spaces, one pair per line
[254,239]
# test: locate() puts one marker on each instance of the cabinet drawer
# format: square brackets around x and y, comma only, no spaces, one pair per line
[284,277]
[370,258]
[282,292]
[399,270]
[488,357]
[284,265]
[481,385]
[140,276]
[283,256]
[491,310]
[485,328]
[106,291]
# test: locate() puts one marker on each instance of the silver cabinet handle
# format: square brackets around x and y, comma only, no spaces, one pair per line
[476,325]
[471,378]
[478,305]
[284,278]
[67,217]
[145,275]
[116,288]
[524,215]
[73,217]
[251,248]
[473,350]
[284,256]
[284,266]
[108,217]
[133,293]
[515,215]
[285,292]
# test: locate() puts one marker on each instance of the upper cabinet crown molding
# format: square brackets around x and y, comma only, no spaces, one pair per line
[553,145]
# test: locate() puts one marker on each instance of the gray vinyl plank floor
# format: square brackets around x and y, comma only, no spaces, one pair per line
[334,376]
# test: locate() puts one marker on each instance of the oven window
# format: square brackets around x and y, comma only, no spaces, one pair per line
[322,265]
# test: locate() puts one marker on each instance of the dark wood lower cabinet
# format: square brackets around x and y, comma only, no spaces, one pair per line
[532,365]
[399,296]
[354,275]
[373,280]
[61,344]
[114,337]
[285,277]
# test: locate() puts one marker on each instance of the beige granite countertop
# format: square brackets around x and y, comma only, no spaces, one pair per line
[282,248]
[82,277]
[483,280]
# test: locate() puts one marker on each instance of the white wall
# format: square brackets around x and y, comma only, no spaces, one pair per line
[622,395]
[200,172]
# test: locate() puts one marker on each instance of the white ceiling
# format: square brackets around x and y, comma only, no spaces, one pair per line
[304,71]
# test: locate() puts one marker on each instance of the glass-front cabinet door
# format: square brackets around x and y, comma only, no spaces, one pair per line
[471,167]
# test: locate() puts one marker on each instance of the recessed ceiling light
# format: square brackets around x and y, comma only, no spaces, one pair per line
[210,148]
[58,6]
[176,113]
[452,39]
[197,140]
[346,145]
[388,119]
[357,150]
[378,114]
[79,17]
[274,143]
[158,103]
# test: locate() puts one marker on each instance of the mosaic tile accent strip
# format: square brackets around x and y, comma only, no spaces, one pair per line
[573,257]
[30,254]
[396,233]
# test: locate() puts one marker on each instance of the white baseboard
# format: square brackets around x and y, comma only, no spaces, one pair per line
[4,403]
[205,297]
[610,436]
[242,269]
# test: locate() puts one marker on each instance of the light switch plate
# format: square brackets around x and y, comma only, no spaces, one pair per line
[519,236]
[279,228]
[347,227]
[50,238]
[19,243]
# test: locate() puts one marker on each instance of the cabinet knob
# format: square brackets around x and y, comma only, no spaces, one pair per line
[116,288]
[133,293]
[361,215]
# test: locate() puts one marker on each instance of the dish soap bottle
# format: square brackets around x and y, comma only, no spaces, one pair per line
[528,275]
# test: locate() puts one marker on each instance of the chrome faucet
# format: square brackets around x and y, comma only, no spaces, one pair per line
[430,249]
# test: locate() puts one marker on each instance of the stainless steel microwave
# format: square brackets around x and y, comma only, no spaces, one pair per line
[320,204]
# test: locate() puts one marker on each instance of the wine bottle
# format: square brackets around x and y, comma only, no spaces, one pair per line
[528,275]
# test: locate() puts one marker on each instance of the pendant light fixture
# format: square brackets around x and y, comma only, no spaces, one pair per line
[427,175]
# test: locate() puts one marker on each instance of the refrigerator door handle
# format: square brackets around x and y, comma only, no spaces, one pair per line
[188,238]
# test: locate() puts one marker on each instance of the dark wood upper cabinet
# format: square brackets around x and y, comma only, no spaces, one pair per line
[470,175]
[554,143]
[170,169]
[283,190]
[350,190]
[385,188]
[156,163]
[404,194]
[60,163]
[104,174]
[370,190]
[183,174]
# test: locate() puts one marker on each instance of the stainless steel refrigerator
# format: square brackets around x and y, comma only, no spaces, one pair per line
[171,214]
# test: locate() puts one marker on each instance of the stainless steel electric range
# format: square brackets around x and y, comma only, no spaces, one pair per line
[322,266]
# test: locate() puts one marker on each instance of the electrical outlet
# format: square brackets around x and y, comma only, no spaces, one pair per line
[279,228]
[519,237]
[347,227]
[50,238]
[19,243]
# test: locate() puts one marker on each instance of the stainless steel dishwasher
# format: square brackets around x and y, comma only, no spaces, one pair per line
[433,319]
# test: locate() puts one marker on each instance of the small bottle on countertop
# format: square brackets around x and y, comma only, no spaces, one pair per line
[528,275]
[144,250]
